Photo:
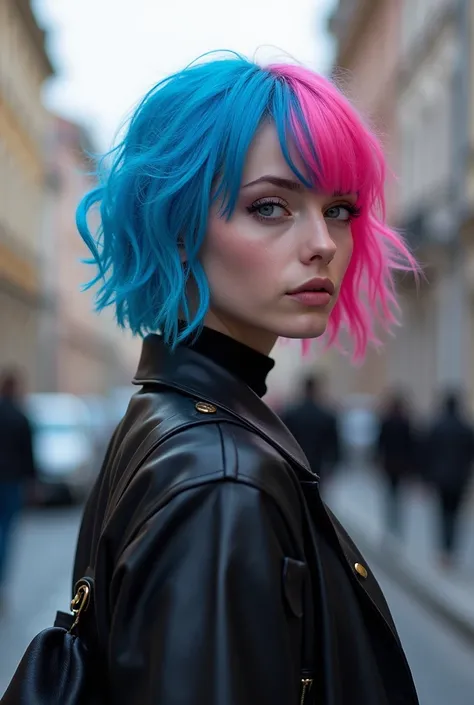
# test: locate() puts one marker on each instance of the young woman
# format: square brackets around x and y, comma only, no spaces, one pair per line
[245,203]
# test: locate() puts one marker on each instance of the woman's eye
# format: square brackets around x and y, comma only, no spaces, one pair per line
[338,213]
[269,210]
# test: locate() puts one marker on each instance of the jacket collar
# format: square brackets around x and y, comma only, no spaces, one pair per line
[194,374]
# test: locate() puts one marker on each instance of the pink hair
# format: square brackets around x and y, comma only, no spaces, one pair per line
[345,156]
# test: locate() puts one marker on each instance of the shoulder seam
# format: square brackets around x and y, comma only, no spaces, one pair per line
[216,477]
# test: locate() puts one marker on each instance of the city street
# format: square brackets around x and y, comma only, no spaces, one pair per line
[442,663]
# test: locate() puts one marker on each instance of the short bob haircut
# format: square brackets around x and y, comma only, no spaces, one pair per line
[185,147]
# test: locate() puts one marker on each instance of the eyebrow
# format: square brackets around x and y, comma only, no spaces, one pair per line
[287,184]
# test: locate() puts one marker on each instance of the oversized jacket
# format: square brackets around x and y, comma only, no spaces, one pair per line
[202,532]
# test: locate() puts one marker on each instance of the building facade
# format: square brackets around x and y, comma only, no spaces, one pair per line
[24,66]
[406,63]
[431,118]
[82,352]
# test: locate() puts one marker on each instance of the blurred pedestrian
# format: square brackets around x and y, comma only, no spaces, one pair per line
[396,453]
[17,467]
[450,455]
[314,425]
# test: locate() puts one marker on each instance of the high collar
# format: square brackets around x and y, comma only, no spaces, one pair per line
[249,365]
[188,371]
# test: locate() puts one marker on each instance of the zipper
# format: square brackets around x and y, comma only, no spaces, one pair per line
[306,684]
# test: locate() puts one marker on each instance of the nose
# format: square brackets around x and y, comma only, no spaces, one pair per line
[318,244]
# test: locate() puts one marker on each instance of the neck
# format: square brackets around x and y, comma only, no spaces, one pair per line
[255,338]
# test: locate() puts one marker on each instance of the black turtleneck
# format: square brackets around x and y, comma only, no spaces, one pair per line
[249,365]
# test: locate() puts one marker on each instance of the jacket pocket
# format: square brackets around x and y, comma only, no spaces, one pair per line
[294,575]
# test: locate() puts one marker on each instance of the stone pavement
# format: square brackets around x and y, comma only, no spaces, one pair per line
[357,497]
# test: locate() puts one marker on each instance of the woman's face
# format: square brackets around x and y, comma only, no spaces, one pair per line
[282,244]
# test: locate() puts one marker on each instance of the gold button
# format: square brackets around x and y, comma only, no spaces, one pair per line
[205,408]
[361,570]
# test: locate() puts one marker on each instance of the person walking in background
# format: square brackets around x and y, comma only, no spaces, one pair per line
[449,455]
[396,451]
[314,426]
[17,467]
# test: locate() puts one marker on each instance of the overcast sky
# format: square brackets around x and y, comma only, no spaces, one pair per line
[109,52]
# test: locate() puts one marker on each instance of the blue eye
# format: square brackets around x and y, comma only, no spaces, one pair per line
[269,210]
[337,213]
[342,213]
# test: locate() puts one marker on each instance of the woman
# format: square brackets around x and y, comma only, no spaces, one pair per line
[244,204]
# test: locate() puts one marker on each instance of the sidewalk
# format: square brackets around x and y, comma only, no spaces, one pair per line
[357,498]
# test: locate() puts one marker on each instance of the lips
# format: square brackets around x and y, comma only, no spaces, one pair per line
[318,284]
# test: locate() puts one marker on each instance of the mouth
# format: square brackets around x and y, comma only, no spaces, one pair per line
[316,292]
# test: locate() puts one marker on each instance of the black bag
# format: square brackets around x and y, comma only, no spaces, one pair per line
[58,668]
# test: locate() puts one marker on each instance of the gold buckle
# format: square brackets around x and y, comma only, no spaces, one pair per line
[80,602]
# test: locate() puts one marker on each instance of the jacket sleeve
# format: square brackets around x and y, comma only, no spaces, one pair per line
[199,613]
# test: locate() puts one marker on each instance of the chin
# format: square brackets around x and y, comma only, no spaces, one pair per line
[307,327]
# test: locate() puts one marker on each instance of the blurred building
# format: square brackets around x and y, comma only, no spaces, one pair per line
[81,352]
[24,66]
[431,113]
[405,63]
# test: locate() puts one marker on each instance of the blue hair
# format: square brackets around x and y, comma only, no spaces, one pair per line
[185,148]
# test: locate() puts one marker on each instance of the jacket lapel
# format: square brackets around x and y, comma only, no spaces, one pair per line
[367,581]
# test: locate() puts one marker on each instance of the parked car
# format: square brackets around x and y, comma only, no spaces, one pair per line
[63,447]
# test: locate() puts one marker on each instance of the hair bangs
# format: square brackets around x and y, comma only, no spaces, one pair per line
[247,107]
[339,152]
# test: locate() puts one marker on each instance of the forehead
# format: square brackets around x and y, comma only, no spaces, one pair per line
[265,156]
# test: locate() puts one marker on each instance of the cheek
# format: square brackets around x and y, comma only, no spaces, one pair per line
[231,251]
[345,249]
[350,250]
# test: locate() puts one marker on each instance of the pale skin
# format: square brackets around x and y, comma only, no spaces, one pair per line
[280,236]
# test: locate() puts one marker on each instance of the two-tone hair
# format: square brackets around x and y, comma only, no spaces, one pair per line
[185,148]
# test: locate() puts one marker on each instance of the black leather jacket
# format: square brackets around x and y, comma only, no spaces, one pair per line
[206,533]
